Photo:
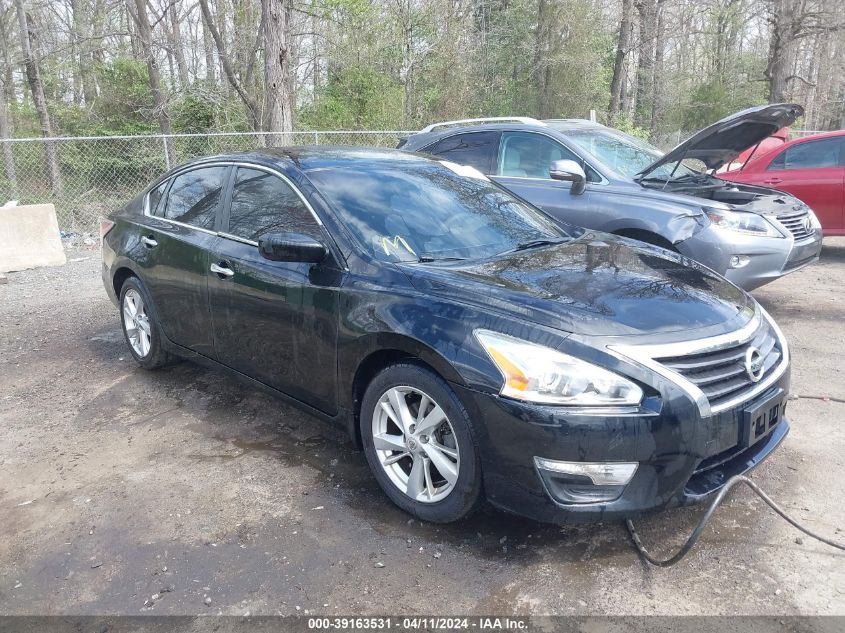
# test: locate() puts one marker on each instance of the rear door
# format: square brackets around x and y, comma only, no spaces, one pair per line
[812,171]
[523,165]
[274,321]
[178,229]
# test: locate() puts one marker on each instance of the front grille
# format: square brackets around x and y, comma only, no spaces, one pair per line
[796,223]
[721,374]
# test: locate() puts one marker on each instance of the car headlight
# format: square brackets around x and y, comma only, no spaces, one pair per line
[741,222]
[814,220]
[543,375]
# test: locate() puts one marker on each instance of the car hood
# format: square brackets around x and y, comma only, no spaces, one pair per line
[723,141]
[597,285]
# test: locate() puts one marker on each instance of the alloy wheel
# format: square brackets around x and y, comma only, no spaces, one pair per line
[415,444]
[136,322]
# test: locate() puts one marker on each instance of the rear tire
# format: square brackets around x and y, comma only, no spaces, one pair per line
[141,330]
[419,444]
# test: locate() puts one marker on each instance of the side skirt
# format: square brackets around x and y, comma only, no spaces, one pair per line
[343,418]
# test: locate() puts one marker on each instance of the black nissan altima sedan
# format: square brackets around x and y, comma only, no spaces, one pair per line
[474,348]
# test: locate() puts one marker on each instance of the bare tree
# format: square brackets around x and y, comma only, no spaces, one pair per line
[8,157]
[617,84]
[175,34]
[276,16]
[249,100]
[145,36]
[647,10]
[36,86]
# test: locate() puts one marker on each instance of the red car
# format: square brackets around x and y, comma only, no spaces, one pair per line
[811,168]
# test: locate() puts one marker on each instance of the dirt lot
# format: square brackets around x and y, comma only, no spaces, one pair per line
[179,492]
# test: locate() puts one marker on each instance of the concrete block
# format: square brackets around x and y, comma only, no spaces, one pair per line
[29,237]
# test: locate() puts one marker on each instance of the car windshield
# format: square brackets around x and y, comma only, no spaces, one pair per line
[626,154]
[430,211]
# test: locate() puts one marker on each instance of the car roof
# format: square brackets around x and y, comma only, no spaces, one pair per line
[813,137]
[308,157]
[421,139]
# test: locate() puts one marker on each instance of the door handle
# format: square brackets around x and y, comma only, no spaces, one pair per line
[149,241]
[222,269]
[773,181]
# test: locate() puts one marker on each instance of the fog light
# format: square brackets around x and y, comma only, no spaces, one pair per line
[584,482]
[738,261]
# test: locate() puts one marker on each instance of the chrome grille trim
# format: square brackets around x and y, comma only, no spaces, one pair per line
[794,222]
[647,355]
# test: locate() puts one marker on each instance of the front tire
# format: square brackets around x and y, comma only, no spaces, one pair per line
[140,327]
[419,444]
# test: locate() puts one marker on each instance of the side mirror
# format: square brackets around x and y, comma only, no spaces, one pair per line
[570,171]
[291,247]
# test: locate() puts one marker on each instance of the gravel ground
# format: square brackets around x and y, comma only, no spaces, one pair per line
[124,491]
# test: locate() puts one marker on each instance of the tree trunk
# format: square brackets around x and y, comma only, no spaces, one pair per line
[658,82]
[647,10]
[36,87]
[178,50]
[210,63]
[249,101]
[83,58]
[543,58]
[8,73]
[781,49]
[145,36]
[617,85]
[276,15]
[8,157]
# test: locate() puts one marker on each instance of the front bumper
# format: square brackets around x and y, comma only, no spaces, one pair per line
[768,258]
[682,457]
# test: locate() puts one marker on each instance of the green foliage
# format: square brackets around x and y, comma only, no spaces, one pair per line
[356,97]
[625,124]
[193,112]
[125,104]
[714,100]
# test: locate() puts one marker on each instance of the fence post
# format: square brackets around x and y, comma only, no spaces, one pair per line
[316,138]
[166,153]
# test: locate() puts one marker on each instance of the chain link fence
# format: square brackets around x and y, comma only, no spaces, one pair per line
[98,174]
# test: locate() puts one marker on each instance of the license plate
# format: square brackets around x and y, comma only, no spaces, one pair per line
[762,418]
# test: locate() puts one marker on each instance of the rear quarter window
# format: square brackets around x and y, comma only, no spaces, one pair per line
[194,197]
[477,149]
[154,198]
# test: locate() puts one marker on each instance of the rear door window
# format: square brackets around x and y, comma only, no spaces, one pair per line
[194,197]
[477,149]
[264,203]
[810,155]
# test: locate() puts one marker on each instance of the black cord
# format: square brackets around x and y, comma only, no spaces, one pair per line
[696,533]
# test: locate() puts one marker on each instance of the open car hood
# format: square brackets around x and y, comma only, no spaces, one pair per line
[723,141]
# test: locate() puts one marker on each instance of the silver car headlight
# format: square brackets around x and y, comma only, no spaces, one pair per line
[814,220]
[741,222]
[535,373]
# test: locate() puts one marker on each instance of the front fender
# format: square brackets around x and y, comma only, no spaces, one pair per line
[669,216]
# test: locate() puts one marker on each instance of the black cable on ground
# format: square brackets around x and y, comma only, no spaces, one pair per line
[696,533]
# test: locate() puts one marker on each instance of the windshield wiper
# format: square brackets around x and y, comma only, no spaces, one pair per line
[427,259]
[524,246]
[681,178]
